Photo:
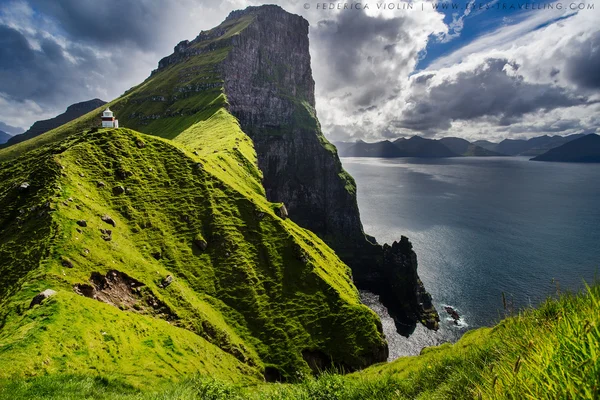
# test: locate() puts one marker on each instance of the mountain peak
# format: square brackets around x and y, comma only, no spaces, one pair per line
[262,9]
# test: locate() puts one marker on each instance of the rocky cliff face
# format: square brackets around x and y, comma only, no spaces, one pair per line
[268,82]
[259,58]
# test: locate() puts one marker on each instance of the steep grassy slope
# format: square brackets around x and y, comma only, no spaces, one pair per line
[252,293]
[256,66]
[549,353]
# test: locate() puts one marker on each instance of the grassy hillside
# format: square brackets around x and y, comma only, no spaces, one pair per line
[262,297]
[546,353]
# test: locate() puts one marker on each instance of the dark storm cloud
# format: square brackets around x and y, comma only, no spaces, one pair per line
[494,91]
[354,47]
[55,53]
[110,22]
[43,74]
[583,67]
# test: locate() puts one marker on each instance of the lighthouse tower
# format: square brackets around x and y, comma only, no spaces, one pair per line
[109,120]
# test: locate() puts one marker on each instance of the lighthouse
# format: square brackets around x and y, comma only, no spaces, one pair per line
[109,120]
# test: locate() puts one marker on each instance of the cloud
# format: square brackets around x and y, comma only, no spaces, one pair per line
[53,54]
[538,73]
[362,59]
[13,130]
[583,66]
[493,90]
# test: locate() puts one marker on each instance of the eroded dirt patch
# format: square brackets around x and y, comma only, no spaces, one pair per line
[124,292]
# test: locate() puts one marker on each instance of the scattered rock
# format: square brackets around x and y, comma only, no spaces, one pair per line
[201,244]
[81,174]
[106,234]
[157,255]
[109,220]
[140,144]
[166,282]
[282,212]
[66,262]
[100,184]
[453,313]
[196,152]
[124,174]
[117,190]
[70,199]
[41,297]
[82,223]
[24,186]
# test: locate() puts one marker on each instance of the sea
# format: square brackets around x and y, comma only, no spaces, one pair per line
[493,235]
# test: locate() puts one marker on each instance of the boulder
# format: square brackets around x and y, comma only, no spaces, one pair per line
[117,190]
[282,212]
[24,186]
[167,281]
[109,220]
[82,223]
[40,297]
[201,243]
[106,234]
[66,262]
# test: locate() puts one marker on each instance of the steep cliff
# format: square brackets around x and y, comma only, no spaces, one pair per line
[269,85]
[163,256]
[256,64]
[281,301]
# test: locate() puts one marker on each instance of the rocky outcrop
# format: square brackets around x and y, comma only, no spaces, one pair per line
[40,297]
[268,82]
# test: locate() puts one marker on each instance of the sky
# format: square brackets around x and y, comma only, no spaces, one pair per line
[477,70]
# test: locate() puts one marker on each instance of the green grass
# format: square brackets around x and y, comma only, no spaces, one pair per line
[263,292]
[547,353]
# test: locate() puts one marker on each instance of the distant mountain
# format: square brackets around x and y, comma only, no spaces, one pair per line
[467,149]
[585,149]
[342,147]
[534,146]
[4,137]
[486,144]
[417,146]
[11,130]
[73,111]
[385,149]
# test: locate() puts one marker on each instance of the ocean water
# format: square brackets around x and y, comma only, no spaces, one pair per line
[482,227]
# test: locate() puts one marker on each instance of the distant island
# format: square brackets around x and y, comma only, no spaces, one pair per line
[585,149]
[420,147]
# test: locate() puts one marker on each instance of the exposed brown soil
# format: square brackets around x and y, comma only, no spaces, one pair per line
[124,292]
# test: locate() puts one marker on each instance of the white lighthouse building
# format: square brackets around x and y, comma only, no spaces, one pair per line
[109,120]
